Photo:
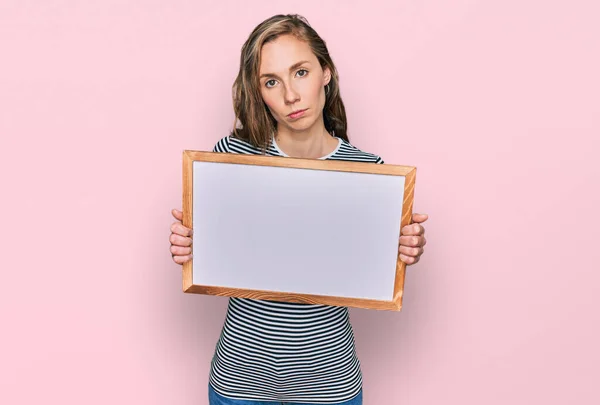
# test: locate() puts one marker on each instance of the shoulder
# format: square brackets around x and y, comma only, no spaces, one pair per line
[231,144]
[347,151]
[222,145]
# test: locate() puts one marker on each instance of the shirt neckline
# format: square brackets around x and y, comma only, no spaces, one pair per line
[321,158]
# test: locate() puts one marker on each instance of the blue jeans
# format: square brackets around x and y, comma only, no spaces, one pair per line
[215,399]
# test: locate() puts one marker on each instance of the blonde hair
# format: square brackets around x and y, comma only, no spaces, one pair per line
[257,123]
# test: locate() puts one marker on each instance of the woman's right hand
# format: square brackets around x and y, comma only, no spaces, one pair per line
[181,239]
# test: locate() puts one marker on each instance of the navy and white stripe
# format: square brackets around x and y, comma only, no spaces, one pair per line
[281,351]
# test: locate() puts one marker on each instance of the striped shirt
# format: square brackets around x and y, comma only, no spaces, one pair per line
[281,351]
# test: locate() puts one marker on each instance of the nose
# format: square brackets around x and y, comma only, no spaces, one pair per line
[290,94]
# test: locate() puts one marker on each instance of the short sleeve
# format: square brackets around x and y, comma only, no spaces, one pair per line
[379,160]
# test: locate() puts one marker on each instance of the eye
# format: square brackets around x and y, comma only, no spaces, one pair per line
[302,70]
[267,83]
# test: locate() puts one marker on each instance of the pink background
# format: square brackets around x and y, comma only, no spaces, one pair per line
[496,102]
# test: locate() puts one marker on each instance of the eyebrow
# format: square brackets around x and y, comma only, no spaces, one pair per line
[294,66]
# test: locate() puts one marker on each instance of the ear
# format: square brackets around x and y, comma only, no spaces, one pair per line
[326,76]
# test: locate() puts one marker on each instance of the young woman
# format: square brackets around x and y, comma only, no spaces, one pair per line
[287,100]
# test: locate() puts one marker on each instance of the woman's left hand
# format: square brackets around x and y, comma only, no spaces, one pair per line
[412,240]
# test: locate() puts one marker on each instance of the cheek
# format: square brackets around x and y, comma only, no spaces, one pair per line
[270,102]
[317,94]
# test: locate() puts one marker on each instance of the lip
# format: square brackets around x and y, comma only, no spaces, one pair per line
[297,113]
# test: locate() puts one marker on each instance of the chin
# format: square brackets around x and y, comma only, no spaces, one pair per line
[302,124]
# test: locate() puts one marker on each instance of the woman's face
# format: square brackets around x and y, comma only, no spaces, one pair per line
[291,79]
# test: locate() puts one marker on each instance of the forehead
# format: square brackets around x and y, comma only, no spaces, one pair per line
[277,56]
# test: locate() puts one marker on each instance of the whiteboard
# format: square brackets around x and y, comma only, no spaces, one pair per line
[306,230]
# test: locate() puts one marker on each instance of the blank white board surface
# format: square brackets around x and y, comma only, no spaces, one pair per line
[305,231]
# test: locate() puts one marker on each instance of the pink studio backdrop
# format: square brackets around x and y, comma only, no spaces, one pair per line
[496,103]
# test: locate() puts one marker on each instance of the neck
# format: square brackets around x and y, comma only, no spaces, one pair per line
[312,143]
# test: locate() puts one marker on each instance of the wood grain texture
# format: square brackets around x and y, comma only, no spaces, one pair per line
[294,297]
[409,188]
[299,163]
[187,212]
[409,172]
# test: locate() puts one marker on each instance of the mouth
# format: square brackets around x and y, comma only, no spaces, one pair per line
[297,113]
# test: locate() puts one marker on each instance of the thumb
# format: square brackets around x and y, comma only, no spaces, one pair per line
[418,218]
[177,214]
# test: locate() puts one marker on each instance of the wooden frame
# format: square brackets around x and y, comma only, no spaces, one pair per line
[408,172]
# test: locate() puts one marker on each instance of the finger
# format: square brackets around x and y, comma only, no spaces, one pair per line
[418,218]
[411,251]
[180,240]
[409,259]
[412,240]
[182,259]
[177,214]
[179,229]
[181,250]
[413,229]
